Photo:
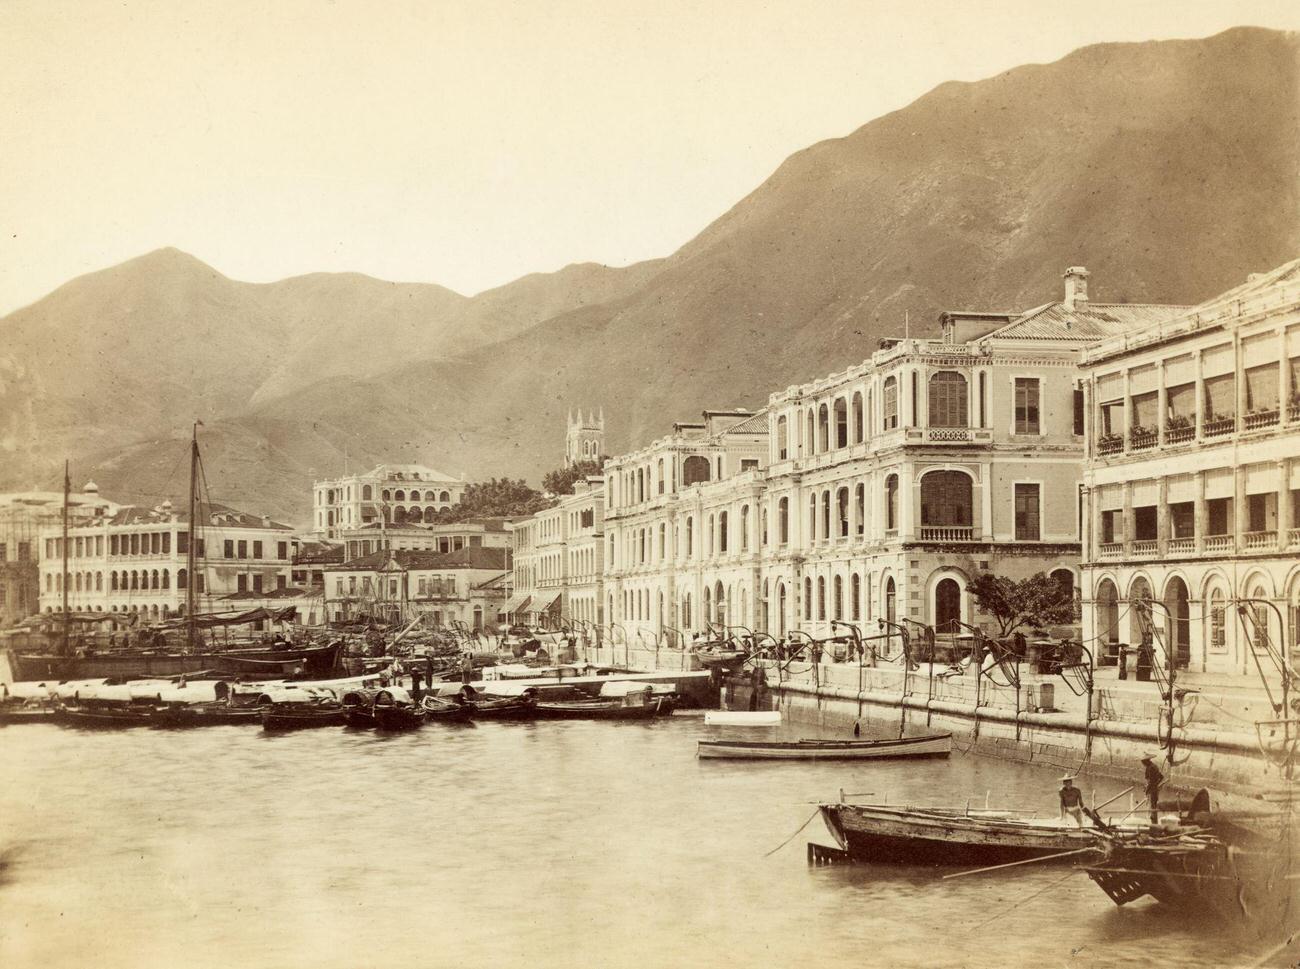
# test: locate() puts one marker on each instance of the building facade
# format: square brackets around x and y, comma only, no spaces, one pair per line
[584,438]
[135,560]
[558,559]
[447,537]
[397,493]
[470,585]
[1192,481]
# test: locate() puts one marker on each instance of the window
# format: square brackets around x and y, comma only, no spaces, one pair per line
[842,505]
[1027,513]
[748,464]
[183,542]
[1261,389]
[890,404]
[257,550]
[1220,397]
[837,601]
[807,598]
[744,528]
[782,438]
[241,582]
[948,399]
[282,551]
[860,493]
[257,582]
[946,499]
[1027,405]
[812,517]
[1218,621]
[859,428]
[823,429]
[229,548]
[841,423]
[1078,412]
[855,596]
[243,549]
[821,598]
[694,469]
[690,537]
[826,514]
[891,503]
[783,521]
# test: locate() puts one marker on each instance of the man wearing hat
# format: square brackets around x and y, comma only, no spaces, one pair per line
[1153,779]
[1071,800]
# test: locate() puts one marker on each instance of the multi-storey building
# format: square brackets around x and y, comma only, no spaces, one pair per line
[134,560]
[469,585]
[1192,480]
[878,492]
[672,506]
[23,517]
[396,493]
[447,537]
[558,558]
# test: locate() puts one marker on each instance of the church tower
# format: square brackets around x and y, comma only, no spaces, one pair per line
[585,437]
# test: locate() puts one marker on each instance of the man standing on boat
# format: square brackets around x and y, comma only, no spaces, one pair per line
[1071,800]
[1153,781]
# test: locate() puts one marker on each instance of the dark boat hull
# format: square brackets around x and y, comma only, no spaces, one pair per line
[282,720]
[514,708]
[105,718]
[359,718]
[205,715]
[915,838]
[399,718]
[316,662]
[443,712]
[596,711]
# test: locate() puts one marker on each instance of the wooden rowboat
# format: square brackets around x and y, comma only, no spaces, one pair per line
[297,716]
[596,710]
[939,836]
[934,745]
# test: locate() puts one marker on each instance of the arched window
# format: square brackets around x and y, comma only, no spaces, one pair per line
[855,596]
[366,493]
[400,496]
[807,598]
[428,496]
[719,604]
[663,542]
[153,579]
[695,469]
[947,606]
[783,521]
[182,579]
[166,578]
[842,507]
[1139,591]
[859,426]
[823,429]
[812,517]
[708,603]
[826,514]
[946,500]
[135,579]
[76,581]
[388,495]
[841,422]
[1217,635]
[860,502]
[762,531]
[837,599]
[810,440]
[891,503]
[710,536]
[889,406]
[780,609]
[821,598]
[690,536]
[399,515]
[722,532]
[948,399]
[430,514]
[1178,616]
[99,581]
[782,438]
[686,611]
[1259,629]
[744,528]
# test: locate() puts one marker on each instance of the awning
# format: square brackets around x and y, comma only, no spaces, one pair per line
[515,604]
[545,601]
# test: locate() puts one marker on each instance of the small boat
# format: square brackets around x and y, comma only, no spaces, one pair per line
[297,715]
[446,711]
[486,707]
[638,705]
[944,836]
[933,745]
[111,715]
[394,709]
[359,709]
[26,711]
[216,713]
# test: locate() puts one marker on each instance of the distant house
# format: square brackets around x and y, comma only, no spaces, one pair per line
[396,493]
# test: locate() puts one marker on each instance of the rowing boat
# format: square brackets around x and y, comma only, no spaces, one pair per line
[933,745]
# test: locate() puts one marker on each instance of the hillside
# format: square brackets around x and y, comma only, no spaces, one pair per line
[1169,169]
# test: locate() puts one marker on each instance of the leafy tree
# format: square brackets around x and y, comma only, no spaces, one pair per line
[496,498]
[1036,601]
[561,480]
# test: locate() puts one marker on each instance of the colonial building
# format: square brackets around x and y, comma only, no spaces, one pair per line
[23,517]
[396,493]
[1192,480]
[584,438]
[559,559]
[448,537]
[469,585]
[134,560]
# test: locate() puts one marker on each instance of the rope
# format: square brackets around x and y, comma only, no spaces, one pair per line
[1025,901]
[793,836]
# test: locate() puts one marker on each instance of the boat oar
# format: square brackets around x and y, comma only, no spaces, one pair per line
[1023,861]
[1109,800]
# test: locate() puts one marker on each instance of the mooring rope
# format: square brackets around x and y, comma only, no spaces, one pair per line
[796,834]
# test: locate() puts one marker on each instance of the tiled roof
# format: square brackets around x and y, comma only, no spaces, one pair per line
[318,553]
[405,472]
[1085,323]
[290,592]
[470,557]
[210,514]
[754,425]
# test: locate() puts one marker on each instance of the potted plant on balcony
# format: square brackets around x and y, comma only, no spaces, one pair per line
[1177,426]
[1141,436]
[1110,442]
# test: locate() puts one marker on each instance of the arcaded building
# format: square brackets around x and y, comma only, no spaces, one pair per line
[1192,481]
[396,493]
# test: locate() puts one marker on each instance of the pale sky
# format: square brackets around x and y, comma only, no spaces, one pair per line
[463,143]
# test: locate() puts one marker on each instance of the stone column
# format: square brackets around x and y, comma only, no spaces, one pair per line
[1238,506]
[1162,512]
[1284,523]
[1128,525]
[1200,518]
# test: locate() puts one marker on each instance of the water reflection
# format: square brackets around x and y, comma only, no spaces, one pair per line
[556,844]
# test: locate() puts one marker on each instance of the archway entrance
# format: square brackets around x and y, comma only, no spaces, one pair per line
[947,607]
[1179,629]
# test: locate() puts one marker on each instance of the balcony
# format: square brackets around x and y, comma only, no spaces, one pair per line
[1263,418]
[1219,426]
[1110,444]
[958,435]
[1293,410]
[947,533]
[1218,543]
[1181,546]
[1111,550]
[1143,438]
[1145,547]
[1179,432]
[1293,537]
[1257,541]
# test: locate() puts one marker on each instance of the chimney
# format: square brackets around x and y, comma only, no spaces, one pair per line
[1076,287]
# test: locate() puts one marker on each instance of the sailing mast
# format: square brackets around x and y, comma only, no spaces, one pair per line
[67,489]
[194,538]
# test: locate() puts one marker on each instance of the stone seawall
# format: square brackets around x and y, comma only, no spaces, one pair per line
[1043,721]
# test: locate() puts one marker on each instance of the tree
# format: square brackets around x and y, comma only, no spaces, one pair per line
[497,498]
[1036,601]
[561,480]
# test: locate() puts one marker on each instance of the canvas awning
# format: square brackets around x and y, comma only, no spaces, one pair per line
[544,602]
[515,604]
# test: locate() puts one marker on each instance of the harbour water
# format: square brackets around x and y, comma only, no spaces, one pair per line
[542,844]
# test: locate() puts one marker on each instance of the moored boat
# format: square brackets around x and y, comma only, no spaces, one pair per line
[359,709]
[934,745]
[638,705]
[485,706]
[941,836]
[297,716]
[447,711]
[394,709]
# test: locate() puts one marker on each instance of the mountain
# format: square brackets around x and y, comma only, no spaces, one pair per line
[1168,168]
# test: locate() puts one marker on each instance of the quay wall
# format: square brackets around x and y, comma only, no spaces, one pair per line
[1042,722]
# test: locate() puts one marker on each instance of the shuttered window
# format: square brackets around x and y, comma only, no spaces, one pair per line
[1027,513]
[1027,405]
[948,400]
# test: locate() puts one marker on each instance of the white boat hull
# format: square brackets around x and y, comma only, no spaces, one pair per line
[939,745]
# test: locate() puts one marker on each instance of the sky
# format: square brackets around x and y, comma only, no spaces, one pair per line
[463,143]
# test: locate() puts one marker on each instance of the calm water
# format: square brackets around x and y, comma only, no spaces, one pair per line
[550,844]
